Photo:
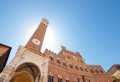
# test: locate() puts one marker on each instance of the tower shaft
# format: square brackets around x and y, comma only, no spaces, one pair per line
[36,41]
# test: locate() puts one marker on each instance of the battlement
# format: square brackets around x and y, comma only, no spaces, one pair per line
[45,21]
[94,65]
[49,52]
[70,52]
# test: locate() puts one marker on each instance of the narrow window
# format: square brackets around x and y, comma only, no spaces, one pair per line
[50,78]
[59,79]
[78,79]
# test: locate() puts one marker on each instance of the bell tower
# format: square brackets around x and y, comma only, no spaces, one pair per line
[35,43]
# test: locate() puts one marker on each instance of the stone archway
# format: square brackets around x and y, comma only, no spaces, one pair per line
[22,77]
[26,72]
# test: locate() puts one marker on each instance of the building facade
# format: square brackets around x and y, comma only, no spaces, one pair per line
[4,54]
[114,72]
[31,65]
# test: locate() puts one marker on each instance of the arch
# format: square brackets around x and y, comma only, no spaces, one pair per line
[22,76]
[51,74]
[67,78]
[75,80]
[28,70]
[59,76]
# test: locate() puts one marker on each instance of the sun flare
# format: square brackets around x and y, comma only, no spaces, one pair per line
[49,39]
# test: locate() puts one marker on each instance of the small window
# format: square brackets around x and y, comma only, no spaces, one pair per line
[76,67]
[50,78]
[81,69]
[58,61]
[59,79]
[71,66]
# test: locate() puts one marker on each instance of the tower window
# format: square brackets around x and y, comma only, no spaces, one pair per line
[50,78]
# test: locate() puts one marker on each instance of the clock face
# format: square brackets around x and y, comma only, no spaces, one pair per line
[36,41]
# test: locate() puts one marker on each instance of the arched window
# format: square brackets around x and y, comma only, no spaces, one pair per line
[67,79]
[50,77]
[59,78]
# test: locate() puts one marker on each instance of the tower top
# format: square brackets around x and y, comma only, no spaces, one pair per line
[45,21]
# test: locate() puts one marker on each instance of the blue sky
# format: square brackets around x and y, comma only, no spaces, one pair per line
[91,27]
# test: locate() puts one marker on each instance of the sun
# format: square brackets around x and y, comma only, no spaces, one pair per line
[49,39]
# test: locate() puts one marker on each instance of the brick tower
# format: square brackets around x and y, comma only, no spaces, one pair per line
[36,41]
